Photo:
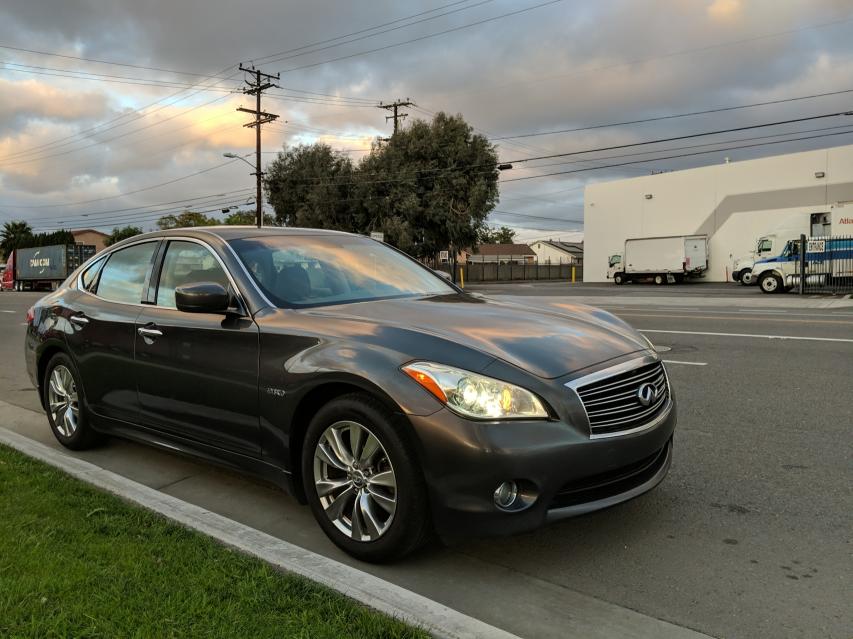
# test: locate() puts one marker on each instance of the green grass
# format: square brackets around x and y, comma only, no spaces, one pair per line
[77,562]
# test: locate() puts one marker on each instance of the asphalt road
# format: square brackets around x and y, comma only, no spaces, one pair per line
[749,536]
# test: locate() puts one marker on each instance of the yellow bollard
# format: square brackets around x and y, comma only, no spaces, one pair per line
[573,274]
[461,277]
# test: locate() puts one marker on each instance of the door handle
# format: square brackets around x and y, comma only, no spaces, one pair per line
[149,332]
[80,320]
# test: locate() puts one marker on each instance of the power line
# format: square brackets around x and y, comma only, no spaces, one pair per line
[687,137]
[673,116]
[135,210]
[671,157]
[98,61]
[425,37]
[268,58]
[126,193]
[616,65]
[280,57]
[114,122]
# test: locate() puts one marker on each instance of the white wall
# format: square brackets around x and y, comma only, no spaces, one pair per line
[732,203]
[545,252]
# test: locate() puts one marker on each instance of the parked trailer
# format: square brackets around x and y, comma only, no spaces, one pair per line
[663,259]
[43,266]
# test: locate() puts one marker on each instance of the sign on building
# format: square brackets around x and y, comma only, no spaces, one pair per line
[444,257]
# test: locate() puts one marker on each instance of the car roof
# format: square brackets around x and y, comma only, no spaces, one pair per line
[227,232]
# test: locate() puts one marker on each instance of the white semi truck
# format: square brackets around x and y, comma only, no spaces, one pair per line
[662,259]
[771,243]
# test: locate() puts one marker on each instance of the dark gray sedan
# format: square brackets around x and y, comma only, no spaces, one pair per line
[393,403]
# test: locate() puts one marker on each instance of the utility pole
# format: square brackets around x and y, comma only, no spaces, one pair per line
[395,106]
[256,87]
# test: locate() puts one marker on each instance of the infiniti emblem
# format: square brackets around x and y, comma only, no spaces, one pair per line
[647,393]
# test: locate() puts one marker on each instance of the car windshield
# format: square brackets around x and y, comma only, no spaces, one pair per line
[319,270]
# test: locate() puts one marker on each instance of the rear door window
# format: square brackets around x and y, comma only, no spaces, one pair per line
[123,277]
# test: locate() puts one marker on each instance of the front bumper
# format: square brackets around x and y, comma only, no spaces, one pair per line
[557,466]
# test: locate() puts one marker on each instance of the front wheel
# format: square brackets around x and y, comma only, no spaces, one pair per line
[619,278]
[771,283]
[363,481]
[746,278]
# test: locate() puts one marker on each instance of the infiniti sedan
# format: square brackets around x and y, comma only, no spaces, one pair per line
[390,401]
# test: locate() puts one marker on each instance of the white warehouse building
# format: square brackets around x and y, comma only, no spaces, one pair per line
[732,203]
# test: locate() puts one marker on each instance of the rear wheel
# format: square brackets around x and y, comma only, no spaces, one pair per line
[64,404]
[660,279]
[771,283]
[362,480]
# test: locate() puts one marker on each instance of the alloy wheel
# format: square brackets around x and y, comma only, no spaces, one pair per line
[62,401]
[355,481]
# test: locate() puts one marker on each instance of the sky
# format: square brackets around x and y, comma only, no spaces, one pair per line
[114,113]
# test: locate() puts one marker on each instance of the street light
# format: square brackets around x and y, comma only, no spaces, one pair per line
[259,213]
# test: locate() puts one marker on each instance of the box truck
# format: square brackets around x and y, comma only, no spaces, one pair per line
[43,266]
[662,259]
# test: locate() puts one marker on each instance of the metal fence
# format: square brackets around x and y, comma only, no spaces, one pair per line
[497,272]
[828,265]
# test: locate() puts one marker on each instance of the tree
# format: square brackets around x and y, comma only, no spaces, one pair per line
[16,234]
[186,219]
[431,186]
[310,186]
[247,218]
[120,234]
[49,239]
[502,235]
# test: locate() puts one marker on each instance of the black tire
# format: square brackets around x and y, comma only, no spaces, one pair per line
[83,435]
[771,283]
[736,276]
[660,279]
[618,278]
[409,527]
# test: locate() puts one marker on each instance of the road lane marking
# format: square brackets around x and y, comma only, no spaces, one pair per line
[3,311]
[675,361]
[784,337]
[742,318]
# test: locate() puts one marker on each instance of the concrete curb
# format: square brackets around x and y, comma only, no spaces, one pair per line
[442,622]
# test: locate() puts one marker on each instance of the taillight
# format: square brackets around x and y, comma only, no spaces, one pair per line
[31,314]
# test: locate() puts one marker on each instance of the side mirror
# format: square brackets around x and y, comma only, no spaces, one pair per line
[202,297]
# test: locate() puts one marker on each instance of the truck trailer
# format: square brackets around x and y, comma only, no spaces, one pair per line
[664,260]
[43,267]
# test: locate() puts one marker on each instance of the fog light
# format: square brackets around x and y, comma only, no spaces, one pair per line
[505,494]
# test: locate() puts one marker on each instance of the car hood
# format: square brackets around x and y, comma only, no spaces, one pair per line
[548,341]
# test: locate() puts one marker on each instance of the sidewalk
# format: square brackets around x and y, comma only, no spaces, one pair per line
[489,596]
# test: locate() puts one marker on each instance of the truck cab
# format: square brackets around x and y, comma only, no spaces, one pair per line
[7,276]
[614,268]
[742,267]
[776,274]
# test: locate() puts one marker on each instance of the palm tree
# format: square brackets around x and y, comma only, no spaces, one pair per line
[13,235]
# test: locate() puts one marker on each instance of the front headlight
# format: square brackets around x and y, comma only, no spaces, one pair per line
[473,395]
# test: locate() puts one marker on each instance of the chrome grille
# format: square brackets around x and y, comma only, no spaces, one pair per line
[613,404]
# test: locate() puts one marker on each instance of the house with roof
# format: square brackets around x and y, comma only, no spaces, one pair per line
[556,252]
[502,254]
[90,236]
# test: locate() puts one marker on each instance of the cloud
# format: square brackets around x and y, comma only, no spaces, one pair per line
[724,9]
[569,65]
[34,99]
